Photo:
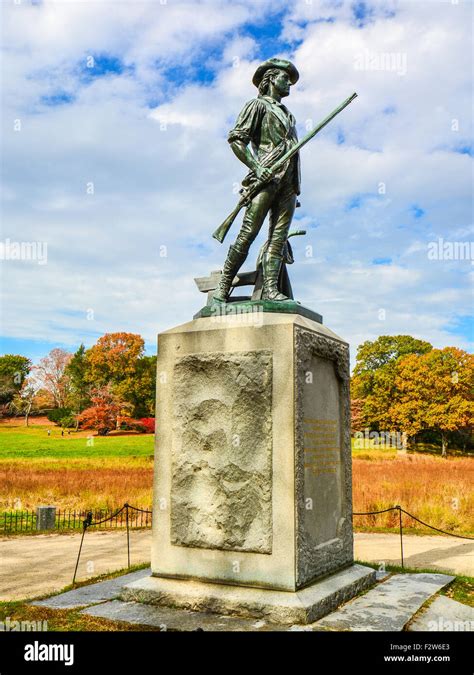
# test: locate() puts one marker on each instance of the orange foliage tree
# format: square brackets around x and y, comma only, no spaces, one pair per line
[118,359]
[434,391]
[103,413]
[113,358]
[373,381]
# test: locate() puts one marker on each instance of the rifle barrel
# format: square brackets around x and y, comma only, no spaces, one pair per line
[293,150]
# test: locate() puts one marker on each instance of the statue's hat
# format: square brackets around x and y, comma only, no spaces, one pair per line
[275,63]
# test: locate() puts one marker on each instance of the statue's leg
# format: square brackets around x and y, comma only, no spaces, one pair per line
[282,212]
[254,216]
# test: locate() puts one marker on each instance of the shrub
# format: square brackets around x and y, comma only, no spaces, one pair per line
[57,414]
[68,422]
[102,414]
[149,424]
[130,424]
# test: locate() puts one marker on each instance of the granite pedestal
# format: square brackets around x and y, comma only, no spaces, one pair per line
[253,470]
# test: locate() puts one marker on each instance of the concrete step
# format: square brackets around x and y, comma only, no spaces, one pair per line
[387,607]
[170,619]
[89,595]
[444,615]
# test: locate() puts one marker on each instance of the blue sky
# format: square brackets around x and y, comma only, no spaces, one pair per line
[121,165]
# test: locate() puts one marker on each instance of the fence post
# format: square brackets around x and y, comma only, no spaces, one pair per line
[128,535]
[85,525]
[45,517]
[401,534]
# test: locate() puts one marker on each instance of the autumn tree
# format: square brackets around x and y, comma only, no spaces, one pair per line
[357,423]
[43,400]
[103,413]
[118,359]
[113,358]
[116,362]
[373,381]
[51,373]
[13,372]
[434,391]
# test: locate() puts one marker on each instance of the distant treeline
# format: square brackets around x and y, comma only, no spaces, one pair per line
[400,384]
[108,385]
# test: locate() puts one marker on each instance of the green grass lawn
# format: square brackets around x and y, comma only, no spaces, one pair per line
[18,443]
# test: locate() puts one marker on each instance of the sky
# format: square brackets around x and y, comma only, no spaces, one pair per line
[116,169]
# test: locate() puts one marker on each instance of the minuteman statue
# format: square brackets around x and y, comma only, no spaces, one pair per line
[269,127]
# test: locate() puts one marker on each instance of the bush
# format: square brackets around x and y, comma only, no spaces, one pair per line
[102,414]
[149,424]
[68,422]
[57,414]
[130,424]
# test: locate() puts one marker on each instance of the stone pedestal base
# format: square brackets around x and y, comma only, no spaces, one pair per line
[253,455]
[301,607]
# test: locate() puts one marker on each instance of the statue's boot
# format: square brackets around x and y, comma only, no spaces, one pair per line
[233,262]
[271,272]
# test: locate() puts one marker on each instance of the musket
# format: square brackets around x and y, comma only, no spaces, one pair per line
[254,189]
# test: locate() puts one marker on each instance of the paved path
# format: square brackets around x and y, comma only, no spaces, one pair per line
[40,564]
[389,606]
[37,565]
[446,554]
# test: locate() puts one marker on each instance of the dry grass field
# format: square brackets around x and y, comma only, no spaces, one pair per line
[27,486]
[438,491]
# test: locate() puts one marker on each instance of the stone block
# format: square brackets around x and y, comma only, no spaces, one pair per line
[253,455]
[45,517]
[300,607]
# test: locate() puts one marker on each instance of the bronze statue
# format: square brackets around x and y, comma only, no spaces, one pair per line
[269,127]
[272,185]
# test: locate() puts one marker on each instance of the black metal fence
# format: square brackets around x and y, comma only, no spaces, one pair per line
[400,525]
[17,521]
[128,510]
[12,522]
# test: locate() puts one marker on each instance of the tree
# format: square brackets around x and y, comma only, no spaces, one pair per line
[139,389]
[24,401]
[117,359]
[43,400]
[113,358]
[373,381]
[13,372]
[387,349]
[77,370]
[434,391]
[356,414]
[102,414]
[51,373]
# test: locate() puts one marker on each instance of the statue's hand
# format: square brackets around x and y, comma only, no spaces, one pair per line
[263,174]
